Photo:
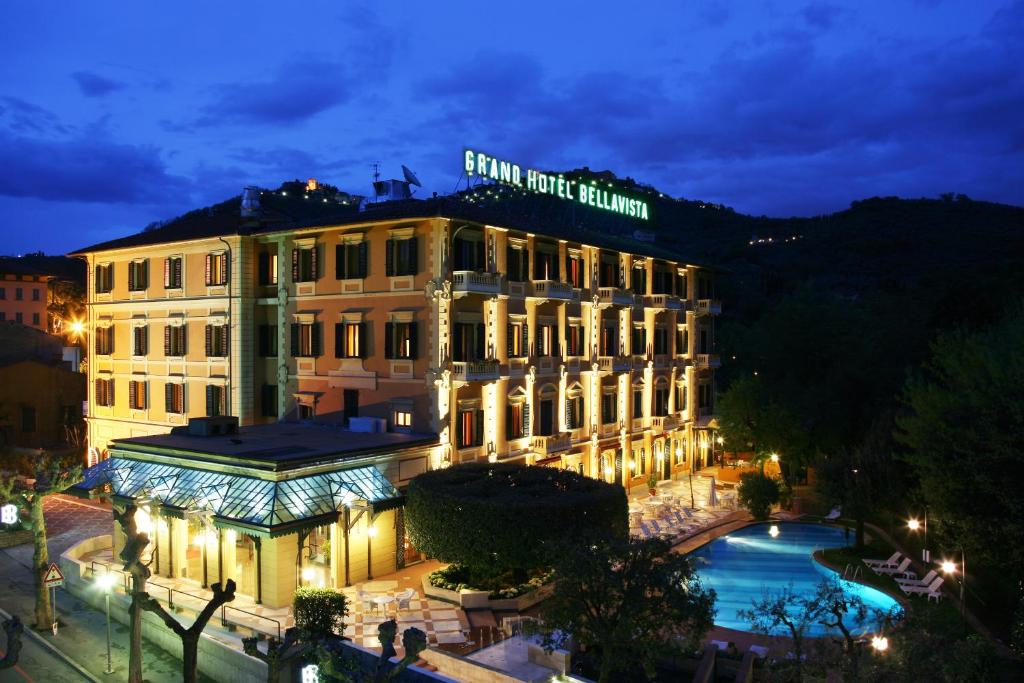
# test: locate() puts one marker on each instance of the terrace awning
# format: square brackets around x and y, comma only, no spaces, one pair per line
[248,501]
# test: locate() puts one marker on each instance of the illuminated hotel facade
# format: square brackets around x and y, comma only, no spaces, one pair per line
[499,342]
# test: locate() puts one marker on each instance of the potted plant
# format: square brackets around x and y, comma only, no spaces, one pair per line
[652,484]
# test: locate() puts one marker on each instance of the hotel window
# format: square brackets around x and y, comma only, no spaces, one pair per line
[400,340]
[518,339]
[517,419]
[172,272]
[682,341]
[3,293]
[19,294]
[216,341]
[35,319]
[574,271]
[640,457]
[703,340]
[639,341]
[609,339]
[544,344]
[304,264]
[705,289]
[266,269]
[138,276]
[681,286]
[469,428]
[545,261]
[140,340]
[401,257]
[468,250]
[174,398]
[517,269]
[640,281]
[350,260]
[574,340]
[608,274]
[217,268]
[35,294]
[268,400]
[18,317]
[660,340]
[267,341]
[105,340]
[350,340]
[104,278]
[661,400]
[3,316]
[609,408]
[468,342]
[680,396]
[546,415]
[175,340]
[216,400]
[137,395]
[401,418]
[638,403]
[104,392]
[306,340]
[574,412]
[704,401]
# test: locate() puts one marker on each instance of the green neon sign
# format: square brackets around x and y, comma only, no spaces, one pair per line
[501,171]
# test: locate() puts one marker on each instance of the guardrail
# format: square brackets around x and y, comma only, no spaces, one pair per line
[225,621]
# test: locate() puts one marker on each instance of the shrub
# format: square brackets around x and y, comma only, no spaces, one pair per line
[494,518]
[455,577]
[319,611]
[757,493]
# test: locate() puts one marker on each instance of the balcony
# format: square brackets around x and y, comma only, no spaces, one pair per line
[664,302]
[614,296]
[476,282]
[552,289]
[475,370]
[615,363]
[661,361]
[549,445]
[664,423]
[706,361]
[708,307]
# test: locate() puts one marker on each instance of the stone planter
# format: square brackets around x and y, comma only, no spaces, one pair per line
[473,599]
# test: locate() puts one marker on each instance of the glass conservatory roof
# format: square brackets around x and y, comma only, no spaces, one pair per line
[237,498]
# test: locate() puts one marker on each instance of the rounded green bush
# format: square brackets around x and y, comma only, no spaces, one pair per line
[319,611]
[757,493]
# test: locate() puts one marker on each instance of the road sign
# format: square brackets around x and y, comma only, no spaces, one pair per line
[53,576]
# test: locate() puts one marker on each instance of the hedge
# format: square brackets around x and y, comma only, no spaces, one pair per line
[494,517]
[319,611]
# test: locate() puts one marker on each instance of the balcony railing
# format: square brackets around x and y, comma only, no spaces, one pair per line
[475,370]
[664,423]
[614,296]
[552,289]
[666,302]
[475,282]
[704,361]
[615,363]
[708,307]
[547,445]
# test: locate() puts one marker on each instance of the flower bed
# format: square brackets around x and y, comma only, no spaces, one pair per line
[452,584]
[456,578]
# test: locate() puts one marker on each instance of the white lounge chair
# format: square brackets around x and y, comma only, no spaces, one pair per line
[928,578]
[903,569]
[836,513]
[893,561]
[760,650]
[932,590]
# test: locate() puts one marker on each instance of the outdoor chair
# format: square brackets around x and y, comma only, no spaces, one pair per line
[928,578]
[836,513]
[893,561]
[931,590]
[902,570]
[367,600]
[404,597]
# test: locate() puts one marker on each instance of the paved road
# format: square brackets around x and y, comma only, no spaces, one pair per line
[36,664]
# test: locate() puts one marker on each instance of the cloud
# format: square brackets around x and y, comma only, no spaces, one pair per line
[24,117]
[299,91]
[822,15]
[94,85]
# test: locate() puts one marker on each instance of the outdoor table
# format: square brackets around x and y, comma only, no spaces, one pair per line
[382,602]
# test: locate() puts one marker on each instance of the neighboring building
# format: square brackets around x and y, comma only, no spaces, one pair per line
[41,398]
[23,294]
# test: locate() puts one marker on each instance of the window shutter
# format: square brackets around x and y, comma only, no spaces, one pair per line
[525,340]
[209,269]
[527,430]
[131,276]
[224,265]
[362,340]
[481,333]
[167,272]
[167,340]
[133,391]
[209,340]
[412,263]
[362,259]
[538,342]
[316,341]
[510,337]
[295,340]
[413,341]
[145,275]
[458,429]
[313,270]
[339,340]
[568,414]
[177,271]
[111,394]
[295,265]
[389,258]
[210,400]
[224,341]
[478,432]
[96,285]
[389,337]
[510,429]
[169,397]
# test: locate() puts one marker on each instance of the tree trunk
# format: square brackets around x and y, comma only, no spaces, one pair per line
[190,656]
[135,639]
[606,666]
[40,562]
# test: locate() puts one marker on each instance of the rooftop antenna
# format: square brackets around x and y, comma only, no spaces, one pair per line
[376,177]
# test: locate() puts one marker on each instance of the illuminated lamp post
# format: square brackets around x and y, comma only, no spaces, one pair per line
[915,525]
[949,567]
[106,583]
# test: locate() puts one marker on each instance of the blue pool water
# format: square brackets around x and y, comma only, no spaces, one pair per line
[742,565]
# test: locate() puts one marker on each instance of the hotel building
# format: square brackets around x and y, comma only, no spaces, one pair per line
[455,333]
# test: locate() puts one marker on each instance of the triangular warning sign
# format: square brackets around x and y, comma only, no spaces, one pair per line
[53,576]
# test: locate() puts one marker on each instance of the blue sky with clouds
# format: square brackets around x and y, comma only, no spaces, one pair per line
[113,115]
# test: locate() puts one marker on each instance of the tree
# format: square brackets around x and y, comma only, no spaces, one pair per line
[626,603]
[758,493]
[13,628]
[783,609]
[67,303]
[500,517]
[134,546]
[337,664]
[49,473]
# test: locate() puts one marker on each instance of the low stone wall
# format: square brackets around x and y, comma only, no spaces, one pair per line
[221,661]
[466,670]
[471,599]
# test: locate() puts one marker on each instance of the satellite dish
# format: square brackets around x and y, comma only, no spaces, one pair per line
[410,177]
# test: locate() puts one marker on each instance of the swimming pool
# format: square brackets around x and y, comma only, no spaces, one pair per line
[740,566]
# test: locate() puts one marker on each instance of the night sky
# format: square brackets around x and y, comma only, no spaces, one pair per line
[113,115]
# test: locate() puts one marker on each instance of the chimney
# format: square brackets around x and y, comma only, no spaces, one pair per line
[250,201]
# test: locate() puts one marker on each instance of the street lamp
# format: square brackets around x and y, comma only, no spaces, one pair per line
[915,524]
[106,583]
[949,567]
[880,644]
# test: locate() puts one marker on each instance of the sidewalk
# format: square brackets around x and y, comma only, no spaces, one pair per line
[82,635]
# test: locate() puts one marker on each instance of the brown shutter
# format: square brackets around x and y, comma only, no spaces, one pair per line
[313,269]
[295,265]
[224,341]
[209,340]
[224,268]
